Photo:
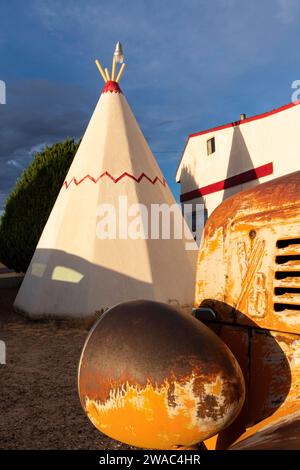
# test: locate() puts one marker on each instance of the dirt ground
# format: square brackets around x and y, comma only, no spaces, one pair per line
[39,404]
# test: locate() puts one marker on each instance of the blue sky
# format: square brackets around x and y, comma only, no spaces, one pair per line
[191,64]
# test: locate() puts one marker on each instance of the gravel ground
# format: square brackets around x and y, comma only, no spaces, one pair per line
[39,404]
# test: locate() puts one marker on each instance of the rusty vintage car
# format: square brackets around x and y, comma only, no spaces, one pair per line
[248,292]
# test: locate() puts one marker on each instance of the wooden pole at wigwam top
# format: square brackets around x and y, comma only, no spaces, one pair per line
[101,70]
[120,73]
[107,73]
[113,70]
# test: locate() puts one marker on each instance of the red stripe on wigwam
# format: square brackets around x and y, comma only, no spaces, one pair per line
[116,180]
[111,86]
[241,178]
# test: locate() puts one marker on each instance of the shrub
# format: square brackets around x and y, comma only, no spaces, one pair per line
[29,204]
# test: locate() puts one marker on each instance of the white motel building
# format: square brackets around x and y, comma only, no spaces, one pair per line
[219,162]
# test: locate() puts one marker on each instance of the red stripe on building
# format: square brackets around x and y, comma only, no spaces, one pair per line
[241,178]
[238,123]
[249,119]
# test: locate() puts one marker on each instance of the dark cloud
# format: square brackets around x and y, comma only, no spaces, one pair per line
[38,112]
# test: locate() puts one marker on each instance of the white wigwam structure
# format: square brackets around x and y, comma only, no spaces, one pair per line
[74,273]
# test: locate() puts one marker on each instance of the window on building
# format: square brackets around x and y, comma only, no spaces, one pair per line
[211,146]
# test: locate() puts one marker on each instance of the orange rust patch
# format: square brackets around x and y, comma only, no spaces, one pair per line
[216,387]
[145,418]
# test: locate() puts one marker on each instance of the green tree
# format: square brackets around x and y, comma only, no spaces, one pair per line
[29,204]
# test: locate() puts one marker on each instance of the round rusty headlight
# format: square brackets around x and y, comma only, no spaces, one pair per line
[153,377]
